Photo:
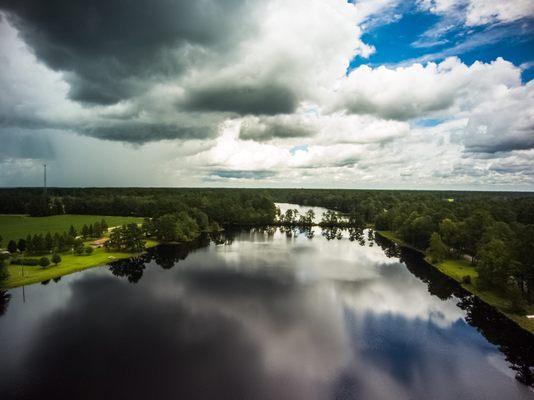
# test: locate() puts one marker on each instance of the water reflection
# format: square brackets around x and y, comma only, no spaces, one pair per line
[4,301]
[261,314]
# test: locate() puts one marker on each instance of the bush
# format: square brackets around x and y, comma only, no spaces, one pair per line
[56,258]
[25,261]
[44,262]
[466,279]
[88,250]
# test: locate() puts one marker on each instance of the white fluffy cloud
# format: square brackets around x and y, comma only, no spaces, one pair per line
[480,12]
[419,90]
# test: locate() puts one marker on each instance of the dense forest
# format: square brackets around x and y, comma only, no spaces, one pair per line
[495,230]
[224,206]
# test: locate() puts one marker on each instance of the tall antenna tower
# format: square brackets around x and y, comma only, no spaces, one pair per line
[44,187]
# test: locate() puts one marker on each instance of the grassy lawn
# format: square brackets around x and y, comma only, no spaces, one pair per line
[456,269]
[70,263]
[15,227]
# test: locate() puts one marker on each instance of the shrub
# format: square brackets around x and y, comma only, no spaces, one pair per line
[56,258]
[25,261]
[88,250]
[44,262]
[466,279]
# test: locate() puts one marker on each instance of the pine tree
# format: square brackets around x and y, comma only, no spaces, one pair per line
[21,245]
[85,231]
[48,242]
[72,232]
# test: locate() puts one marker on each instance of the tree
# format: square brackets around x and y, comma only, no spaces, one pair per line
[148,227]
[38,244]
[72,232]
[104,225]
[12,246]
[97,229]
[48,242]
[56,258]
[57,206]
[85,231]
[126,238]
[78,246]
[524,254]
[4,273]
[29,244]
[44,262]
[451,235]
[437,249]
[495,266]
[21,245]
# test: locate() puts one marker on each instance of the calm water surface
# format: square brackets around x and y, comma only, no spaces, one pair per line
[259,315]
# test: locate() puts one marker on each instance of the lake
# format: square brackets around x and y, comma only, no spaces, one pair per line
[260,314]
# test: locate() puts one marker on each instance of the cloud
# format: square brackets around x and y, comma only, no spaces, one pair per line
[208,92]
[418,90]
[503,123]
[267,128]
[111,51]
[237,174]
[265,99]
[480,12]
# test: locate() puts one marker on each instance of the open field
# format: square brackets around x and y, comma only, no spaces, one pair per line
[25,275]
[14,227]
[456,269]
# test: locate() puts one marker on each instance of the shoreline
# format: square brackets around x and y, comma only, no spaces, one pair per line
[70,264]
[455,269]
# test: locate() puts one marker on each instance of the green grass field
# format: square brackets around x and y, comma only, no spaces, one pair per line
[457,269]
[15,227]
[19,275]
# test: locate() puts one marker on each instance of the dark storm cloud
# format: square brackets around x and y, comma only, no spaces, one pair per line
[268,99]
[132,131]
[111,47]
[267,129]
[142,132]
[520,139]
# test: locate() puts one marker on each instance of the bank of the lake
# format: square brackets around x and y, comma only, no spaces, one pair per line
[25,275]
[457,269]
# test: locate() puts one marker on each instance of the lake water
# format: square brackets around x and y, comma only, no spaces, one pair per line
[260,314]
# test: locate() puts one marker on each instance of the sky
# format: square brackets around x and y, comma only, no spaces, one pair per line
[420,94]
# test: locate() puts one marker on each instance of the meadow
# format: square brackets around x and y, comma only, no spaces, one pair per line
[14,227]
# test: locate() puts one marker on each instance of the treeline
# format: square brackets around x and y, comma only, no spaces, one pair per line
[225,206]
[57,242]
[495,230]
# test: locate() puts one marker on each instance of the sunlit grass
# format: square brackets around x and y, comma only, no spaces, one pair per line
[25,275]
[15,227]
